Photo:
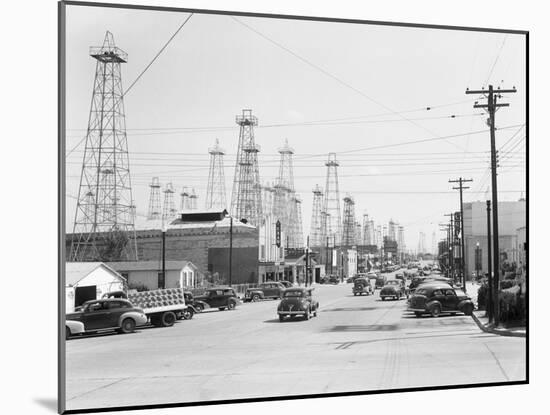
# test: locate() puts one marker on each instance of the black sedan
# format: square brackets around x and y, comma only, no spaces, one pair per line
[297,301]
[437,298]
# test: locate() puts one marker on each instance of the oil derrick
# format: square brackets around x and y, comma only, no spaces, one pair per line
[215,190]
[246,198]
[168,207]
[184,201]
[331,205]
[104,225]
[267,199]
[284,194]
[154,212]
[357,233]
[296,235]
[193,200]
[368,231]
[315,233]
[348,231]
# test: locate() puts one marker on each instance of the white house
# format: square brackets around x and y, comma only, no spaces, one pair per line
[88,281]
[149,273]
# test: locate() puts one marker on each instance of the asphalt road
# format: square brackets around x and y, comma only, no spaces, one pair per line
[355,344]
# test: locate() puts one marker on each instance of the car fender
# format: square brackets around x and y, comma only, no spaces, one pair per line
[258,292]
[462,303]
[204,304]
[76,327]
[137,317]
[430,304]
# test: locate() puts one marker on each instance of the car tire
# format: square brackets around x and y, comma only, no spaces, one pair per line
[231,305]
[221,308]
[468,309]
[281,318]
[255,298]
[168,319]
[306,314]
[418,314]
[435,310]
[187,314]
[67,333]
[128,325]
[199,308]
[354,294]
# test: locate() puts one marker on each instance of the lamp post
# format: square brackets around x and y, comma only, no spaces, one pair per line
[478,260]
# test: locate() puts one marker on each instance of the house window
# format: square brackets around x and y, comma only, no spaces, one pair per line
[262,251]
[126,276]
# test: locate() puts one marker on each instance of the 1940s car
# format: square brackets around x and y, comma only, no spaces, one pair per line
[297,301]
[106,314]
[362,286]
[392,288]
[220,297]
[436,298]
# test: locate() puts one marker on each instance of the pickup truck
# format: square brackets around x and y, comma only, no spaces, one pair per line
[264,290]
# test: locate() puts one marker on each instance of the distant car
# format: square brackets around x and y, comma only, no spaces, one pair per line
[287,284]
[380,281]
[372,274]
[297,301]
[362,286]
[330,279]
[107,314]
[437,298]
[270,289]
[399,276]
[392,289]
[219,297]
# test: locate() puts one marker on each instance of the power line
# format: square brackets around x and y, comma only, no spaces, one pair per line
[156,56]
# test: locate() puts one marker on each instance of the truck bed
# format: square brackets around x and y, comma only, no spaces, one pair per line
[158,301]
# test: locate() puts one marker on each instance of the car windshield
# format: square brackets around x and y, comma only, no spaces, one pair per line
[421,291]
[393,282]
[294,294]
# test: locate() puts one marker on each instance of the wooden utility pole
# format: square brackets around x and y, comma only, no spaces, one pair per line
[230,249]
[491,107]
[490,299]
[463,252]
[452,246]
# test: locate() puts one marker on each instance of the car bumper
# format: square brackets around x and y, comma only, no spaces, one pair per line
[417,310]
[290,313]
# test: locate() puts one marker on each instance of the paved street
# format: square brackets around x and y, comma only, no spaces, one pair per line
[355,344]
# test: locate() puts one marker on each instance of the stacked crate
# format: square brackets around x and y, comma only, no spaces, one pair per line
[157,298]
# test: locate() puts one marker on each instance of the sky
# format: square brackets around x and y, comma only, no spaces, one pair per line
[361,91]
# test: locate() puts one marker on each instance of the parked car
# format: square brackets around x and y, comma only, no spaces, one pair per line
[362,286]
[287,284]
[297,301]
[330,279]
[399,276]
[107,314]
[190,300]
[437,298]
[264,290]
[394,289]
[219,297]
[73,327]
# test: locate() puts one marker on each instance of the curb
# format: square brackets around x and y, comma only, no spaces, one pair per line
[500,332]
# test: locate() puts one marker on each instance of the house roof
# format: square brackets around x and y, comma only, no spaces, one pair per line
[76,271]
[150,265]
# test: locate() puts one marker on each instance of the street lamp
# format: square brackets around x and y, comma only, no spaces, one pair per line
[478,260]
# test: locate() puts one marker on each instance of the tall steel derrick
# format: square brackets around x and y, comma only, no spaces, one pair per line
[184,201]
[104,221]
[286,200]
[246,197]
[168,207]
[316,230]
[154,212]
[331,207]
[348,228]
[193,200]
[215,190]
[368,231]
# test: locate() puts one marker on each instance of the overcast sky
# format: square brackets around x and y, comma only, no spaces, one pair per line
[366,87]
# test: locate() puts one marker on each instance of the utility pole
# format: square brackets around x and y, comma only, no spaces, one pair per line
[230,249]
[307,261]
[489,266]
[491,108]
[463,252]
[451,246]
[162,282]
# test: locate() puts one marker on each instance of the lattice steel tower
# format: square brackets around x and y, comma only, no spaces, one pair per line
[215,190]
[315,233]
[154,212]
[103,217]
[184,201]
[246,198]
[331,205]
[348,231]
[168,207]
[295,234]
[193,202]
[284,193]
